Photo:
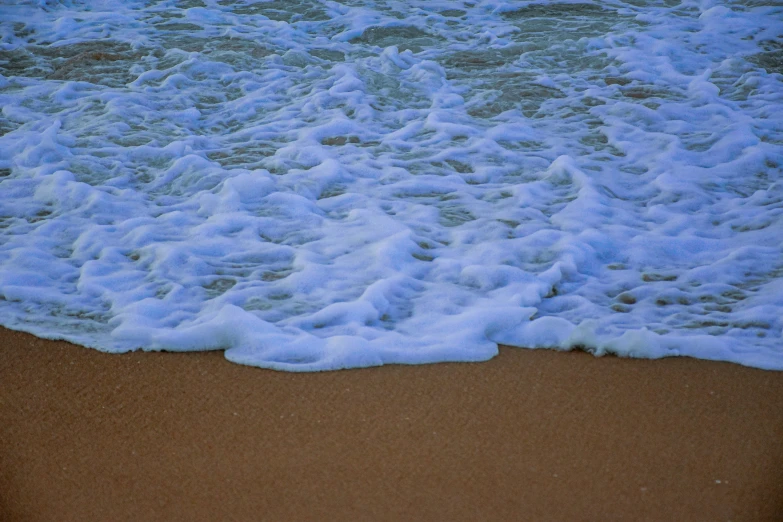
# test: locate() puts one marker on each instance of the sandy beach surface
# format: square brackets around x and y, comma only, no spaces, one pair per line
[530,435]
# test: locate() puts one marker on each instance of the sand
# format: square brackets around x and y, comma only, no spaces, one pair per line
[530,435]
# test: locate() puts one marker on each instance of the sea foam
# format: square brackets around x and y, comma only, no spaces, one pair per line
[314,185]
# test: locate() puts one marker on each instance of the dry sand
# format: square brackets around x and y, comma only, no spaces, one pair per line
[530,435]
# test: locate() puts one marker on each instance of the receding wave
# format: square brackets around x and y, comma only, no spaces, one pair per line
[313,185]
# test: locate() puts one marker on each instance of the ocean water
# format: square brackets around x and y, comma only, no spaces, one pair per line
[314,185]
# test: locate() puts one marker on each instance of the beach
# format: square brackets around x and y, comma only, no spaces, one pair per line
[322,207]
[529,435]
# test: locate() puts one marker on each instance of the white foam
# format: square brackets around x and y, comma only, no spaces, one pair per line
[317,185]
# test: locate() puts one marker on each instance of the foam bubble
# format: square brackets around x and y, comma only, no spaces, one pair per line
[313,185]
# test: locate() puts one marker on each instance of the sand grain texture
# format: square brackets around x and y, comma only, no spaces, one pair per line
[530,435]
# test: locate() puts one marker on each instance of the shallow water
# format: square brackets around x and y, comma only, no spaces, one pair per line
[318,185]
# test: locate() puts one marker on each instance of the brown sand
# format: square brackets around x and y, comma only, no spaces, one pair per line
[530,435]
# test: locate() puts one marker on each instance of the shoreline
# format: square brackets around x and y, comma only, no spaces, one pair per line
[528,435]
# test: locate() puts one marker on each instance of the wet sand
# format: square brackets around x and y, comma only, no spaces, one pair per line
[530,435]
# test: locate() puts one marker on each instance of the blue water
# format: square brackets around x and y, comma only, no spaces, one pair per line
[314,185]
